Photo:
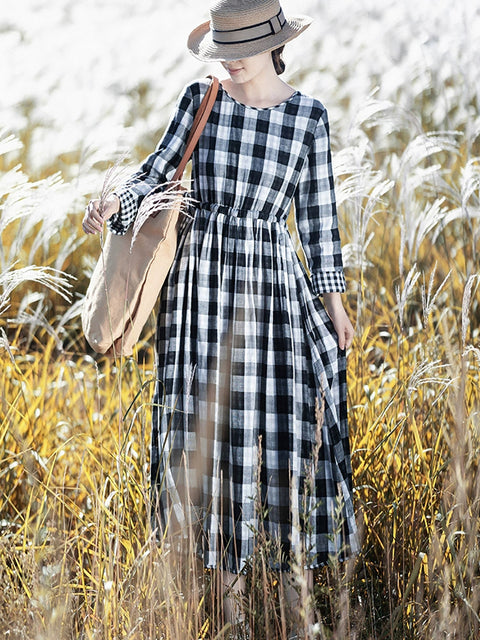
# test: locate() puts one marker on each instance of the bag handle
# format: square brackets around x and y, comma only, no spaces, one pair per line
[198,125]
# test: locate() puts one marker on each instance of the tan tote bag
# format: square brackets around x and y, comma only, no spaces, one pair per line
[128,277]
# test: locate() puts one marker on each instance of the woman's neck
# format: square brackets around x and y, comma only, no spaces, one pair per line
[258,94]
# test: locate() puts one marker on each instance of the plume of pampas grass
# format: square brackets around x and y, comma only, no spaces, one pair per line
[4,344]
[360,193]
[8,142]
[10,279]
[32,316]
[116,175]
[159,200]
[471,185]
[387,115]
[404,294]
[429,297]
[38,207]
[467,297]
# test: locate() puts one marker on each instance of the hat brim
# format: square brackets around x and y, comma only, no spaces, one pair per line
[202,46]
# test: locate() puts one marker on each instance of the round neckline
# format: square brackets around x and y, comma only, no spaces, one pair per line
[250,106]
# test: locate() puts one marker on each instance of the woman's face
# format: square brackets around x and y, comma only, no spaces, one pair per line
[248,68]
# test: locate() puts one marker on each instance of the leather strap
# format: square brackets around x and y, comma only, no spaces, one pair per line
[198,126]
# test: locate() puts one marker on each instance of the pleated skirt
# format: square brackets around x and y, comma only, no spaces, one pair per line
[250,436]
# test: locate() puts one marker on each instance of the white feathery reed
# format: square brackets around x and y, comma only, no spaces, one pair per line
[467,297]
[428,297]
[159,200]
[8,142]
[402,295]
[387,115]
[11,278]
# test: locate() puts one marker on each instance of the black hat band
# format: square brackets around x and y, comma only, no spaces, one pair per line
[249,34]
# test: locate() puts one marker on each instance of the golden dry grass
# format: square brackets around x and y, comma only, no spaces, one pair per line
[77,559]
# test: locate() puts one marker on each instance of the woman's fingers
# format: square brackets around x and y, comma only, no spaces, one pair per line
[349,334]
[345,337]
[342,340]
[94,219]
[111,206]
[343,328]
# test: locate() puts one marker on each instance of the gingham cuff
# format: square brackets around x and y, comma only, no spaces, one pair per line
[328,282]
[121,221]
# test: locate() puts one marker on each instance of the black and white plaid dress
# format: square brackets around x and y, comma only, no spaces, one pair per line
[250,430]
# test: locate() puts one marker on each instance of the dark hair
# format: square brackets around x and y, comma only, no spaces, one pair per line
[278,62]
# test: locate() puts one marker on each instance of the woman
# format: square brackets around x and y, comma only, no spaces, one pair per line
[250,404]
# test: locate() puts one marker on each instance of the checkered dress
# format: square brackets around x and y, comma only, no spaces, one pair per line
[250,437]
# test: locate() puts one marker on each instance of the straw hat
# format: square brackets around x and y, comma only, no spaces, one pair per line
[243,28]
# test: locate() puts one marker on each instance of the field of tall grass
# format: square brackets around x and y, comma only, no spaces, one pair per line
[87,84]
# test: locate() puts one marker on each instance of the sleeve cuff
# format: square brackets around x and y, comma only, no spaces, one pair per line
[328,282]
[121,221]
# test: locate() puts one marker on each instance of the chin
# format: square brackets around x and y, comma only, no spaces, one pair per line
[238,79]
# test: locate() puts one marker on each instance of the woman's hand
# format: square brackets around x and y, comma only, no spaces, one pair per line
[95,216]
[338,315]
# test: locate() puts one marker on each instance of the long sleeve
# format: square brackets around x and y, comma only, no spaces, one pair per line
[316,215]
[160,165]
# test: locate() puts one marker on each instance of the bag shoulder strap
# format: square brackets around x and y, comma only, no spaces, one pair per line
[198,125]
